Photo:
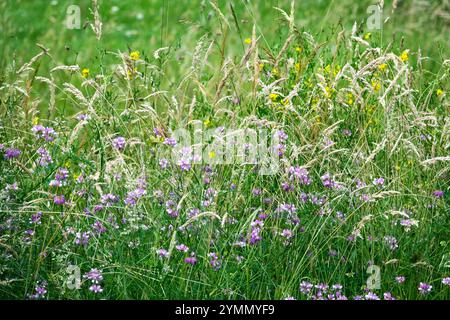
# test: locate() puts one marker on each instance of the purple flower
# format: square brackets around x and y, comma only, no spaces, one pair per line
[12,153]
[438,193]
[59,200]
[82,117]
[391,242]
[287,233]
[346,132]
[136,194]
[94,275]
[109,199]
[214,260]
[45,158]
[46,133]
[328,182]
[446,281]
[280,134]
[170,142]
[96,288]
[388,296]
[378,181]
[39,291]
[424,288]
[162,253]
[299,174]
[305,287]
[82,238]
[190,260]
[371,296]
[98,227]
[119,143]
[36,218]
[184,164]
[400,279]
[256,191]
[182,248]
[163,163]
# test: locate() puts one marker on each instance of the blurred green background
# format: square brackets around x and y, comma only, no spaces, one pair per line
[146,25]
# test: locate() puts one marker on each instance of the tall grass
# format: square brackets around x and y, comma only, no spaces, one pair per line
[363,177]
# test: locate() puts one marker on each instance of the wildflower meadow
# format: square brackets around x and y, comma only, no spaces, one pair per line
[234,150]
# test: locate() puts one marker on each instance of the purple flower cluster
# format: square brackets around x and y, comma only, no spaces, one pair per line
[299,174]
[46,133]
[95,276]
[45,158]
[40,290]
[12,153]
[255,233]
[119,143]
[328,182]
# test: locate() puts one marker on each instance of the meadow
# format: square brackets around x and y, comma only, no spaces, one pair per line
[101,198]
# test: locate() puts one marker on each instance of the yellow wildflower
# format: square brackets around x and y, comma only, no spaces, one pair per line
[273,97]
[35,121]
[298,49]
[297,66]
[367,36]
[350,99]
[212,154]
[275,72]
[376,85]
[404,56]
[207,123]
[135,55]
[85,73]
[328,91]
[382,67]
[248,41]
[439,92]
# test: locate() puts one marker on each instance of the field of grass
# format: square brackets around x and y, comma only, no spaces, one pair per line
[101,198]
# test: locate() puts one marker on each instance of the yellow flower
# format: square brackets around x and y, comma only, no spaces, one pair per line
[35,121]
[367,36]
[67,164]
[350,99]
[85,73]
[261,66]
[404,56]
[248,41]
[134,55]
[297,66]
[439,92]
[328,91]
[376,85]
[285,102]
[212,154]
[275,72]
[207,123]
[273,97]
[298,49]
[382,67]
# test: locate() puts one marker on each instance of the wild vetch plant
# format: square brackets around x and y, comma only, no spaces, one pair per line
[290,172]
